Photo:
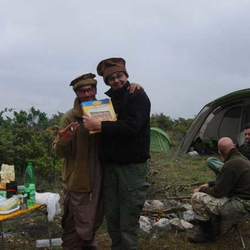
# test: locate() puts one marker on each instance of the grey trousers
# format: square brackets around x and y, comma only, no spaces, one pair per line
[215,164]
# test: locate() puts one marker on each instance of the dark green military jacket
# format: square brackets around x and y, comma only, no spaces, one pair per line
[234,178]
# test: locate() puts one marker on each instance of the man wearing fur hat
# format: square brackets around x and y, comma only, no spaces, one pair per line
[81,171]
[124,153]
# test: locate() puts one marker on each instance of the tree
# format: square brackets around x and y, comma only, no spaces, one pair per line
[176,128]
[161,121]
[28,136]
[24,138]
[6,146]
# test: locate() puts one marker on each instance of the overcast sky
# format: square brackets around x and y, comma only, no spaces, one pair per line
[185,53]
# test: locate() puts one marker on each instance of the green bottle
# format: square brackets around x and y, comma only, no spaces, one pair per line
[30,184]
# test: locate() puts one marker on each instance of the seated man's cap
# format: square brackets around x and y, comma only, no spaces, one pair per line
[83,80]
[109,66]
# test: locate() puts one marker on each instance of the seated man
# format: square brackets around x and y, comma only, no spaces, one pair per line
[215,164]
[232,183]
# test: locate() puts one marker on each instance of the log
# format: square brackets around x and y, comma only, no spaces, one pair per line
[179,198]
[174,209]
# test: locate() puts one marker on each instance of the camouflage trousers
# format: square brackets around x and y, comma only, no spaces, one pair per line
[204,205]
[232,209]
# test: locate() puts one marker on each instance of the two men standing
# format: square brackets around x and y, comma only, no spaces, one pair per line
[124,150]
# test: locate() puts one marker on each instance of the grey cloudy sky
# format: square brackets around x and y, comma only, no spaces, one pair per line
[184,52]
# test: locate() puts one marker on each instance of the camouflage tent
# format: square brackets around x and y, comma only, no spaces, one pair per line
[225,116]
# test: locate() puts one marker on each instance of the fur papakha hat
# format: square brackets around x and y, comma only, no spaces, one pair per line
[109,66]
[83,80]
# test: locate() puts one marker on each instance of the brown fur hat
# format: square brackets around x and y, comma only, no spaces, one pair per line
[86,79]
[109,66]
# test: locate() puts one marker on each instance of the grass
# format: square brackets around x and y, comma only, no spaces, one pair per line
[169,178]
[178,176]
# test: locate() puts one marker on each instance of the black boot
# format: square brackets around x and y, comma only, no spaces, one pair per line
[216,221]
[205,234]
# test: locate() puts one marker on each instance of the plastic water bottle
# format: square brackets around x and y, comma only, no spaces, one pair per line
[30,184]
[32,195]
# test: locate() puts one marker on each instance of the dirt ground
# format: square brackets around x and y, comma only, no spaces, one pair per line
[174,240]
[169,178]
[162,240]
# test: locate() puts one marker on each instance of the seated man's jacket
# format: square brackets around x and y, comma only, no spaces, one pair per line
[233,180]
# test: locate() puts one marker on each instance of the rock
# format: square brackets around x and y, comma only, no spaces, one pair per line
[180,224]
[186,224]
[180,214]
[145,224]
[153,204]
[188,215]
[162,224]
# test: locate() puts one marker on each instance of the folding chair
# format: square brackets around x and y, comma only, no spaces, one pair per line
[234,227]
[234,212]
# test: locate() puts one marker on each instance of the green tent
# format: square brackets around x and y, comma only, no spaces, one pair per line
[159,140]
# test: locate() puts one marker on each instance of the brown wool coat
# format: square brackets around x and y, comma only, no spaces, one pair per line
[76,170]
